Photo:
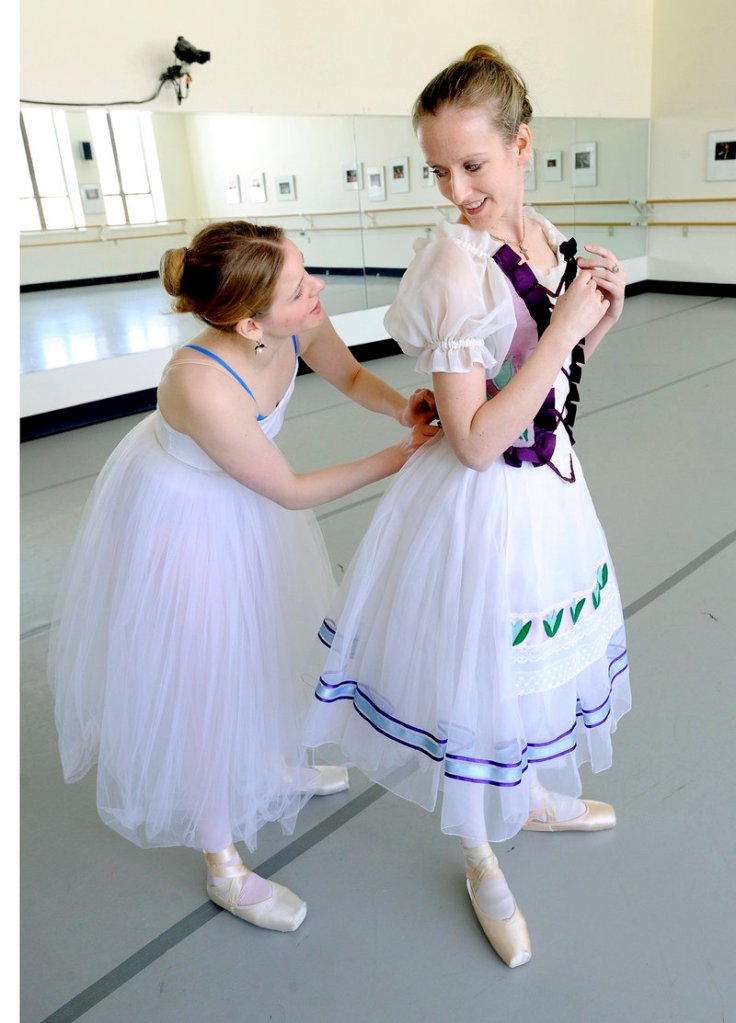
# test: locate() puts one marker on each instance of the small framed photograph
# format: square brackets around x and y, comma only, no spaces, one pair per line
[257,187]
[552,166]
[232,190]
[530,173]
[721,156]
[428,178]
[399,174]
[376,183]
[584,164]
[352,179]
[285,188]
[92,198]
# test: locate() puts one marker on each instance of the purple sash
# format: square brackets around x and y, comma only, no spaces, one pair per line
[536,298]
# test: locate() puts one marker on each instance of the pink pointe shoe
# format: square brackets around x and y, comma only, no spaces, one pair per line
[321,780]
[509,938]
[596,817]
[282,911]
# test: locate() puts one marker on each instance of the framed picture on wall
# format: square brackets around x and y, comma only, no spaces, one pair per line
[721,156]
[285,188]
[584,164]
[530,173]
[257,187]
[427,176]
[232,190]
[376,183]
[399,174]
[351,177]
[552,166]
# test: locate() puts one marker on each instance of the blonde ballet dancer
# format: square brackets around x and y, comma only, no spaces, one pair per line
[477,646]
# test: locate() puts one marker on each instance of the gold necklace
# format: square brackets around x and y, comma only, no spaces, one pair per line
[514,245]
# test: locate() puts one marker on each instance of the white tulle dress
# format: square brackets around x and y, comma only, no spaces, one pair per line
[186,608]
[479,628]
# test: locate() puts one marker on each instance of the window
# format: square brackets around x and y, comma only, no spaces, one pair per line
[128,165]
[49,194]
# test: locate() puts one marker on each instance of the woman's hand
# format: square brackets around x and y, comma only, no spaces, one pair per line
[610,279]
[420,408]
[580,308]
[419,435]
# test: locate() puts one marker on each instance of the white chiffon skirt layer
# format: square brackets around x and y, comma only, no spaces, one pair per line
[187,607]
[478,631]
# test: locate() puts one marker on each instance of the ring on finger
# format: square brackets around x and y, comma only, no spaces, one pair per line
[615,268]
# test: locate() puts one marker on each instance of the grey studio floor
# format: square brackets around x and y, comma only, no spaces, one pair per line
[635,924]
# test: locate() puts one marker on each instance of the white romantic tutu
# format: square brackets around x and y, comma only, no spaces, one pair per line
[478,631]
[186,609]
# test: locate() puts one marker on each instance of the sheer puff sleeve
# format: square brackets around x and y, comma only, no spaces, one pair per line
[454,308]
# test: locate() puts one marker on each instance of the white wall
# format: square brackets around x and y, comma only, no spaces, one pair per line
[333,57]
[693,93]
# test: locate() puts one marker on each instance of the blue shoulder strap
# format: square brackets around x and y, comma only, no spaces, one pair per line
[230,370]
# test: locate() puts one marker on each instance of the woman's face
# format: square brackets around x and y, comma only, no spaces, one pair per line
[475,169]
[295,305]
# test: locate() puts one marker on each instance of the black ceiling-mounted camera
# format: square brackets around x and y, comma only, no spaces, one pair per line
[188,54]
[177,74]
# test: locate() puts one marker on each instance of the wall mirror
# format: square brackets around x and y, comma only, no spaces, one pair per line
[352,192]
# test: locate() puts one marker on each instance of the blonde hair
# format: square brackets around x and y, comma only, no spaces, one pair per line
[481,79]
[227,273]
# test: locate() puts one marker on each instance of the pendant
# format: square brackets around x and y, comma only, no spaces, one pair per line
[524,253]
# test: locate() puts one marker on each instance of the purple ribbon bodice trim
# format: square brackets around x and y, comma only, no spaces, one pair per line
[536,298]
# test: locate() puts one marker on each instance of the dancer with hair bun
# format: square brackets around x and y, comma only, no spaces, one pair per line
[477,643]
[197,579]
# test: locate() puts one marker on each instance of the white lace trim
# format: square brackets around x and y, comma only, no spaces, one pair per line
[552,664]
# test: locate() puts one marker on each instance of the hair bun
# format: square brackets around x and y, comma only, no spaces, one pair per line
[171,270]
[483,52]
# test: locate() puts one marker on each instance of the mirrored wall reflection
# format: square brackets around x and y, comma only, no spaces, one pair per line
[355,193]
[297,172]
[352,192]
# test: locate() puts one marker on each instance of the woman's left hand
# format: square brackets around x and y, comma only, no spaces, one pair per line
[609,277]
[420,408]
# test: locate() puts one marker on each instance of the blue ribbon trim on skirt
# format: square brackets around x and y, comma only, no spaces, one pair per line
[458,767]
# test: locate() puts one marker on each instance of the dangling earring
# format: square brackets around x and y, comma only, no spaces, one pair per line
[259,347]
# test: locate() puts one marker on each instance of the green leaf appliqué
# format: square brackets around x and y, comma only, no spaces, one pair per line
[520,632]
[575,610]
[552,624]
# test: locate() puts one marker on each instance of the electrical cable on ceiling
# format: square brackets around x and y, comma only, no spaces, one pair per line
[177,74]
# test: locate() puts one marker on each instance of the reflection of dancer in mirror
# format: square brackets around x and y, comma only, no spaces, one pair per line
[477,646]
[196,583]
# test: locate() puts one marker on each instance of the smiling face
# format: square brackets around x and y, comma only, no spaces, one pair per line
[475,169]
[295,304]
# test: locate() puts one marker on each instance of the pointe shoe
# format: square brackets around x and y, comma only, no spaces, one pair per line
[509,938]
[283,911]
[327,782]
[596,817]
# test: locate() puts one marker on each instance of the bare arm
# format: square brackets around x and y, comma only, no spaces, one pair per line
[222,421]
[480,430]
[325,352]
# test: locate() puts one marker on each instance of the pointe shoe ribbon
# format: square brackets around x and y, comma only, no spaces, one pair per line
[596,817]
[509,938]
[283,911]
